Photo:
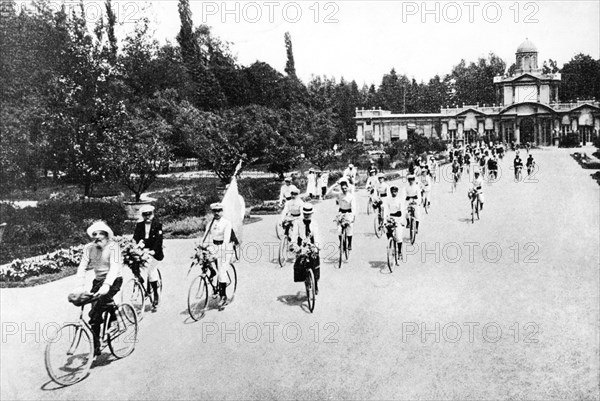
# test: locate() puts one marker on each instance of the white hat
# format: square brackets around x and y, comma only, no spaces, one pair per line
[100,226]
[380,175]
[351,165]
[294,190]
[307,209]
[287,179]
[146,208]
[411,177]
[216,206]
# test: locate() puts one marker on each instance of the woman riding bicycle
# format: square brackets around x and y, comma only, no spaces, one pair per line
[475,190]
[413,199]
[103,256]
[393,211]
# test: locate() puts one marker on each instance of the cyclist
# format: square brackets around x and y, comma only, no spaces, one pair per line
[413,194]
[149,232]
[483,162]
[518,165]
[455,171]
[372,182]
[492,166]
[467,162]
[103,255]
[284,193]
[433,167]
[350,172]
[475,190]
[219,232]
[530,164]
[309,232]
[291,212]
[381,192]
[393,210]
[426,187]
[347,206]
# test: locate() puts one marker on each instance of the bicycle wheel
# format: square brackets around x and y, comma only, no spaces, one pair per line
[122,340]
[278,230]
[378,225]
[342,245]
[472,213]
[309,283]
[149,290]
[425,206]
[284,244]
[346,250]
[231,283]
[236,252]
[198,298]
[392,258]
[369,206]
[477,209]
[413,233]
[133,294]
[69,355]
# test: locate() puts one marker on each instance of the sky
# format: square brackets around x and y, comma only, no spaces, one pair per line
[362,40]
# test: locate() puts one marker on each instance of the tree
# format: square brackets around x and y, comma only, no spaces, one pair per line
[475,82]
[580,78]
[290,66]
[139,152]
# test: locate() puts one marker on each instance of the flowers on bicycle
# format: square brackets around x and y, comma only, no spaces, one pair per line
[136,256]
[343,219]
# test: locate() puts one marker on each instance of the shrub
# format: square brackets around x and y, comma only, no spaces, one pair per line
[570,141]
[187,226]
[53,225]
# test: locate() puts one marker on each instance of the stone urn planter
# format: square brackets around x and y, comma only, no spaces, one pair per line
[133,209]
[2,228]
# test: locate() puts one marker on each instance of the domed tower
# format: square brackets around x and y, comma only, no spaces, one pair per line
[527,58]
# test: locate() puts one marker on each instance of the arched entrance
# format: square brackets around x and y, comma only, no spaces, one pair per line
[527,130]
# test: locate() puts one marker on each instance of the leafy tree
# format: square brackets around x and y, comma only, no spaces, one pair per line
[290,66]
[139,151]
[580,78]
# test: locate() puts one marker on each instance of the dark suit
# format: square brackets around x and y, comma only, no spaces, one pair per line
[154,241]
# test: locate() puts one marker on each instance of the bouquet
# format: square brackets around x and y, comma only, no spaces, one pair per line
[136,256]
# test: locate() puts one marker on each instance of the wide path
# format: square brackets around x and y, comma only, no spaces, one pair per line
[504,308]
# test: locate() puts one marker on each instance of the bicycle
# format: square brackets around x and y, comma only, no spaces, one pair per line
[455,179]
[370,202]
[530,169]
[135,293]
[198,293]
[306,256]
[378,221]
[493,175]
[475,205]
[285,253]
[425,201]
[343,221]
[393,253]
[518,174]
[412,221]
[69,355]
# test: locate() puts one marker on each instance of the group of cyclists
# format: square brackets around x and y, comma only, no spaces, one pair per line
[103,254]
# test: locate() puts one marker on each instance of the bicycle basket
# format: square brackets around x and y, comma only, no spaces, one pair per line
[81,298]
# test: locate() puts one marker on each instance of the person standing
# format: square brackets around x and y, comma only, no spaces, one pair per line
[311,185]
[150,233]
[380,163]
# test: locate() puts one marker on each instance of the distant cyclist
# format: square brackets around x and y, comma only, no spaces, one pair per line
[393,210]
[476,189]
[530,164]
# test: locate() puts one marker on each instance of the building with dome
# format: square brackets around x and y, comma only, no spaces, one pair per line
[527,110]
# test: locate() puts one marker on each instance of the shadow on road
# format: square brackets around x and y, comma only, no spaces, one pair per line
[379,265]
[295,300]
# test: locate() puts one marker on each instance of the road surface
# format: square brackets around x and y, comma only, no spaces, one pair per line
[504,308]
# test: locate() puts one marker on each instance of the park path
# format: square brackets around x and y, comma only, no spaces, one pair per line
[517,318]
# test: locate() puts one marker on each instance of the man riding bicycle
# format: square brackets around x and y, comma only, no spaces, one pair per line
[413,198]
[492,168]
[475,190]
[309,233]
[347,206]
[455,171]
[284,193]
[426,187]
[219,232]
[393,211]
[518,165]
[381,192]
[149,231]
[291,214]
[530,164]
[103,256]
